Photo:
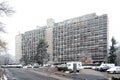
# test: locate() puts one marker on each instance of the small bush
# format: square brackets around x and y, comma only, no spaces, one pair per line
[62,69]
[113,78]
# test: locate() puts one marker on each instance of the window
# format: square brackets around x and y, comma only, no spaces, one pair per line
[69,65]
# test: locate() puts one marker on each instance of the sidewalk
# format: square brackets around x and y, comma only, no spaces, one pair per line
[56,75]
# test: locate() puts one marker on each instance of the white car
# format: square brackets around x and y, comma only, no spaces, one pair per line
[28,66]
[114,70]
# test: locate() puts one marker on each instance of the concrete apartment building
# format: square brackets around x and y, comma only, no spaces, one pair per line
[82,35]
[118,56]
[30,40]
[69,39]
[26,43]
[18,48]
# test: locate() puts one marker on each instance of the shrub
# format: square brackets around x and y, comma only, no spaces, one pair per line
[113,78]
[62,69]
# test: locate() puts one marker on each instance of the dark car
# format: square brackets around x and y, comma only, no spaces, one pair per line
[103,69]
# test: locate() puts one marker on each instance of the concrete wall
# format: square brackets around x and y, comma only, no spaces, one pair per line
[49,38]
[18,48]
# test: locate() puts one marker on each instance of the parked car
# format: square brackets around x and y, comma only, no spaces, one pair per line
[105,66]
[12,66]
[46,65]
[103,69]
[87,67]
[36,65]
[95,67]
[114,70]
[28,66]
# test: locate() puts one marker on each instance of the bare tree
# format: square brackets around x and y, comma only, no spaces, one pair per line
[6,9]
[85,59]
[2,45]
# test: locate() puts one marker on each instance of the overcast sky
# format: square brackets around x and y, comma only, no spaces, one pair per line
[32,13]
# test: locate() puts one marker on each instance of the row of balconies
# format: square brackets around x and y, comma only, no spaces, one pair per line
[69,51]
[87,22]
[92,34]
[84,43]
[98,29]
[74,28]
[79,32]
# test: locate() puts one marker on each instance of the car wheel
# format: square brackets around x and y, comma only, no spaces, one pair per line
[114,72]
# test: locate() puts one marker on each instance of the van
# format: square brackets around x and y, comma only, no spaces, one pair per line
[74,66]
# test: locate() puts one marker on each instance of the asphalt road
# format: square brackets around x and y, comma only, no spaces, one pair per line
[23,74]
[86,77]
[88,74]
[41,74]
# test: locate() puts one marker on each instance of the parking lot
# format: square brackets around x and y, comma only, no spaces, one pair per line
[98,73]
[110,75]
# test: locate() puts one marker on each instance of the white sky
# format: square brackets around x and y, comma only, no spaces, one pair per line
[32,13]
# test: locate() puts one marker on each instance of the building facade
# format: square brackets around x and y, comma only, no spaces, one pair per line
[82,35]
[69,39]
[118,56]
[18,48]
[30,41]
